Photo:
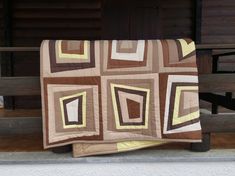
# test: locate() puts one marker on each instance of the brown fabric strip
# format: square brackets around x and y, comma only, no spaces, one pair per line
[171,107]
[65,102]
[82,81]
[58,67]
[141,93]
[133,109]
[65,47]
[193,135]
[112,63]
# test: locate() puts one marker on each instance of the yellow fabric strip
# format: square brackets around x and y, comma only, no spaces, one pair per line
[83,94]
[75,56]
[186,48]
[131,145]
[176,119]
[118,126]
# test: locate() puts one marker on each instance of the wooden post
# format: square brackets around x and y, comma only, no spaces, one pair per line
[202,146]
[204,61]
[198,20]
[7,60]
[62,149]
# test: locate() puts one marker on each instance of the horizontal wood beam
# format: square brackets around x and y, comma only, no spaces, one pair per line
[217,83]
[19,86]
[10,86]
[20,125]
[223,52]
[225,101]
[16,49]
[216,123]
[215,46]
[198,46]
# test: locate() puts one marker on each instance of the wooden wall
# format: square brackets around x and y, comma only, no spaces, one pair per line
[178,18]
[136,19]
[1,22]
[35,20]
[218,21]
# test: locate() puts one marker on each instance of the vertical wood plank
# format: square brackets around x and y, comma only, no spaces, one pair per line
[7,60]
[204,145]
[204,61]
[144,20]
[198,21]
[116,20]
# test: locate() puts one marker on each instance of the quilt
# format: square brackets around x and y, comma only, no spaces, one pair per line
[118,95]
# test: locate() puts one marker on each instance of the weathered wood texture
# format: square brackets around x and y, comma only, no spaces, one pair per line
[20,121]
[218,21]
[7,58]
[137,19]
[31,85]
[1,23]
[34,21]
[20,125]
[33,142]
[217,123]
[19,49]
[26,124]
[217,83]
[204,61]
[202,146]
[130,19]
[177,18]
[216,46]
[19,86]
[198,20]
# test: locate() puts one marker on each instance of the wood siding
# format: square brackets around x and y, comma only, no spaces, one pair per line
[36,20]
[218,21]
[178,18]
[1,23]
[137,19]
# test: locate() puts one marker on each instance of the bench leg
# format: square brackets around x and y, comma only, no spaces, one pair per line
[62,149]
[202,146]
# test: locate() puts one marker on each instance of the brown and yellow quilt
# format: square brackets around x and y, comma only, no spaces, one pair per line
[115,95]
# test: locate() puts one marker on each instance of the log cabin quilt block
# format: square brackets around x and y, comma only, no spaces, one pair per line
[109,92]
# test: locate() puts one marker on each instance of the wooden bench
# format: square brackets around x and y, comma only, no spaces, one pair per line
[209,83]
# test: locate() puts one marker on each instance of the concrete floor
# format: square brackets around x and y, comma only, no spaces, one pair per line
[143,162]
[122,169]
[138,156]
